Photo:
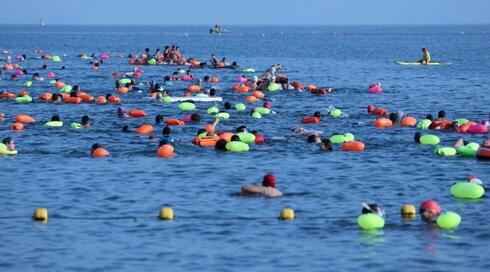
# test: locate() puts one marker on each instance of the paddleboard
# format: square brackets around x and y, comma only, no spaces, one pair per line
[420,63]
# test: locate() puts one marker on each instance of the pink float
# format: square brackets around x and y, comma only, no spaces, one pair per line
[375,88]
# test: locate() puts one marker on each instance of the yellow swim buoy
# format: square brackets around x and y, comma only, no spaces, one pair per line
[287,214]
[40,214]
[166,213]
[408,211]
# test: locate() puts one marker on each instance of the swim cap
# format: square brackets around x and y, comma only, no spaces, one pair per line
[267,104]
[269,181]
[473,179]
[121,111]
[430,204]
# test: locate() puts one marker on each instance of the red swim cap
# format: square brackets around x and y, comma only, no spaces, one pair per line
[431,204]
[269,180]
[267,104]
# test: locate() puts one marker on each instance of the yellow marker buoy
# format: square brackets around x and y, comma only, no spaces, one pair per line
[166,213]
[287,214]
[408,211]
[40,214]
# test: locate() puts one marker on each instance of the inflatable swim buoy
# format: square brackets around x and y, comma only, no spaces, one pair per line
[408,121]
[246,137]
[137,113]
[340,138]
[23,99]
[424,124]
[22,118]
[46,96]
[174,122]
[445,151]
[370,221]
[237,146]
[53,124]
[251,99]
[241,88]
[483,152]
[17,127]
[144,129]
[467,190]
[72,100]
[101,100]
[310,120]
[207,141]
[448,220]
[4,150]
[100,153]
[353,146]
[468,150]
[383,123]
[226,136]
[187,106]
[194,88]
[165,151]
[429,139]
[258,94]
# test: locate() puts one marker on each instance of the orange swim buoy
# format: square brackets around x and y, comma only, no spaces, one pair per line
[194,88]
[214,80]
[463,128]
[114,99]
[86,98]
[23,118]
[310,120]
[59,84]
[241,88]
[122,90]
[72,100]
[258,94]
[195,63]
[383,123]
[165,151]
[101,100]
[137,113]
[251,99]
[7,95]
[207,141]
[17,126]
[174,122]
[353,146]
[226,136]
[220,65]
[100,153]
[144,129]
[408,121]
[46,96]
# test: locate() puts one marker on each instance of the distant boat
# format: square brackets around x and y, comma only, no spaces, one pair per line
[217,29]
[42,23]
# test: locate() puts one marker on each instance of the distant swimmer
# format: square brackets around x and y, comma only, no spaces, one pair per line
[268,188]
[429,210]
[426,56]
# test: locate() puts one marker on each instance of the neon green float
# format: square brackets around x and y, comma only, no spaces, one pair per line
[23,99]
[445,151]
[54,124]
[223,115]
[66,89]
[274,87]
[187,106]
[424,124]
[213,110]
[76,126]
[448,220]
[246,137]
[263,110]
[4,150]
[28,84]
[429,139]
[335,113]
[240,107]
[249,70]
[237,146]
[467,190]
[256,115]
[370,221]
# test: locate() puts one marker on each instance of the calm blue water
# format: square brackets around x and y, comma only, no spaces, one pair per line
[213,230]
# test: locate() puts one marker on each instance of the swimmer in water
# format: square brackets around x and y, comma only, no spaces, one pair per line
[2,117]
[85,121]
[268,188]
[9,143]
[326,145]
[300,131]
[372,208]
[126,129]
[122,112]
[429,210]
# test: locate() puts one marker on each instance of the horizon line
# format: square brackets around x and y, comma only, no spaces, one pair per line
[207,25]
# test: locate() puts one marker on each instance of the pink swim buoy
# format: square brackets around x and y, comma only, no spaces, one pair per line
[241,79]
[19,73]
[478,129]
[104,57]
[187,118]
[139,70]
[51,75]
[186,78]
[375,88]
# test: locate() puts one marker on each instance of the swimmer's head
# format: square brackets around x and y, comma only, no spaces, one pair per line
[269,180]
[95,146]
[85,120]
[313,139]
[162,142]
[441,114]
[227,105]
[267,104]
[317,114]
[235,138]
[429,117]
[372,208]
[221,145]
[417,136]
[393,117]
[241,129]
[159,119]
[126,129]
[55,118]
[429,209]
[166,131]
[195,117]
[122,112]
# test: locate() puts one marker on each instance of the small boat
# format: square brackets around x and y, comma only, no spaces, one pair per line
[217,29]
[42,23]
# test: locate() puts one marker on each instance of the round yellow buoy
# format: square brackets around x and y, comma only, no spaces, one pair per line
[40,214]
[287,214]
[166,213]
[408,211]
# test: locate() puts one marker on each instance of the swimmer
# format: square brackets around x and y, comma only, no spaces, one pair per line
[167,135]
[441,122]
[159,120]
[2,117]
[372,208]
[429,209]
[195,117]
[9,143]
[221,145]
[95,147]
[473,179]
[268,188]
[259,138]
[122,112]
[37,77]
[126,129]
[313,139]
[85,121]
[300,131]
[55,118]
[56,98]
[326,145]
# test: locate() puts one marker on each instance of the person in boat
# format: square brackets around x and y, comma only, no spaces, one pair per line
[425,56]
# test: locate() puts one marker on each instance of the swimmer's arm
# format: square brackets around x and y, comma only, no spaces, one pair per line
[251,189]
